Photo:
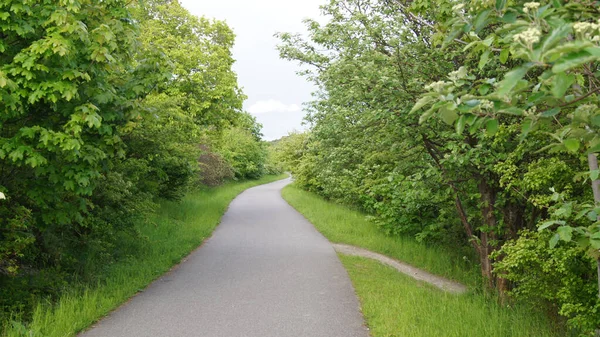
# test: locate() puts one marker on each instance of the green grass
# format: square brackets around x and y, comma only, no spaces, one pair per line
[394,304]
[170,235]
[342,225]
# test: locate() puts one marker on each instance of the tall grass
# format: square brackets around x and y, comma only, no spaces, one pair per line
[342,225]
[396,305]
[170,235]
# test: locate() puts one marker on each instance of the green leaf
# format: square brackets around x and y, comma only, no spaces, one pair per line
[481,20]
[551,112]
[3,79]
[550,223]
[511,79]
[513,111]
[594,174]
[421,103]
[484,89]
[595,243]
[555,36]
[491,126]
[554,240]
[509,17]
[572,60]
[69,185]
[500,5]
[563,49]
[592,216]
[572,145]
[448,116]
[504,55]
[594,51]
[473,102]
[561,83]
[425,116]
[460,124]
[485,57]
[526,128]
[565,233]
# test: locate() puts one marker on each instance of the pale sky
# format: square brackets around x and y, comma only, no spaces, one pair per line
[275,93]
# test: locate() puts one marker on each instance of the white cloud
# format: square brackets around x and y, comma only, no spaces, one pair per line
[272,105]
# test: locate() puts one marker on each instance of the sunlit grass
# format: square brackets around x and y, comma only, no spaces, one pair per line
[170,235]
[394,304]
[342,225]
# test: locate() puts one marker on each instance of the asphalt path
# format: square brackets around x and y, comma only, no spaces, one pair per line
[265,272]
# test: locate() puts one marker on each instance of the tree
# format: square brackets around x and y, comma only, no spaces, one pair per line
[547,80]
[368,145]
[67,91]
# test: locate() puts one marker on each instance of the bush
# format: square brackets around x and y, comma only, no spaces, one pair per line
[214,169]
[561,278]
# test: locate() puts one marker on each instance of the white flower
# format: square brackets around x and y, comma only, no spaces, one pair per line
[582,27]
[587,30]
[486,105]
[530,6]
[531,111]
[529,36]
[436,86]
[459,74]
[2,196]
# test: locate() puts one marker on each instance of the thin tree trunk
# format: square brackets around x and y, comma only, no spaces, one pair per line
[593,164]
[488,236]
[482,245]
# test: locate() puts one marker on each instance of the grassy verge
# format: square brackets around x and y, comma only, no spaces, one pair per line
[396,305]
[171,234]
[342,225]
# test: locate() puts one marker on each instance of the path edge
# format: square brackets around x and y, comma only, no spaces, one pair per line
[439,282]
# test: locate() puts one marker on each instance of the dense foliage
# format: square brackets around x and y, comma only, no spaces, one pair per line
[463,123]
[106,107]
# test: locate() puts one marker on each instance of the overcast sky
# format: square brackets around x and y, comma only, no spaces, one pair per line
[275,93]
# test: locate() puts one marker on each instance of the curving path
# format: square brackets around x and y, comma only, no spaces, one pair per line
[405,268]
[265,272]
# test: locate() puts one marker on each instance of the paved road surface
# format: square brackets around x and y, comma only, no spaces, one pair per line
[266,272]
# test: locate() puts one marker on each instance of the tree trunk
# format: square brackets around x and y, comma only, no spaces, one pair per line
[488,236]
[593,164]
[513,216]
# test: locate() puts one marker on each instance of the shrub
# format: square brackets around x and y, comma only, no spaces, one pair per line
[561,278]
[214,169]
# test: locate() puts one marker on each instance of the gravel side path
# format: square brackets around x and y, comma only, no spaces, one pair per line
[265,272]
[418,274]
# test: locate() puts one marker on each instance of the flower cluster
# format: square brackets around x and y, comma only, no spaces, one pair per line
[2,196]
[438,86]
[459,74]
[531,111]
[531,6]
[588,30]
[484,104]
[528,37]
